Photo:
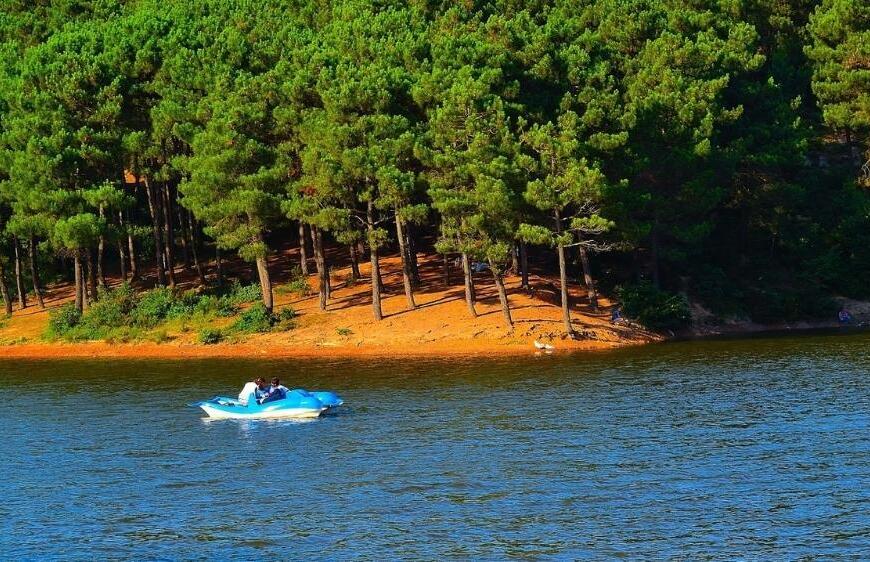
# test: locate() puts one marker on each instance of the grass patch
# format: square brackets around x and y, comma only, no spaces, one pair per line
[14,341]
[344,332]
[298,284]
[210,336]
[256,320]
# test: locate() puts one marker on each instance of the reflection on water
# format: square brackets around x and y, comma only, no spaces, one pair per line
[714,450]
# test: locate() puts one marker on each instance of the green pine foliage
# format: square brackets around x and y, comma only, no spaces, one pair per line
[654,308]
[716,150]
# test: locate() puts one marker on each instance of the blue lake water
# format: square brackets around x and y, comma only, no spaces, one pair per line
[717,450]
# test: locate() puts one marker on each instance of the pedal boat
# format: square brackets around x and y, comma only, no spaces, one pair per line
[298,404]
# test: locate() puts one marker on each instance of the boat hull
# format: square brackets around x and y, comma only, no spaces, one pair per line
[297,404]
[238,413]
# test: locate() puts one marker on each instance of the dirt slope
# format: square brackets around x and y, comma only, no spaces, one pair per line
[440,326]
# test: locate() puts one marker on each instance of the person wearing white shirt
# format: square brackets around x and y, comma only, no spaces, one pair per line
[256,387]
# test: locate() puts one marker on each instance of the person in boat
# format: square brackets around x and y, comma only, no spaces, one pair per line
[257,387]
[844,316]
[276,391]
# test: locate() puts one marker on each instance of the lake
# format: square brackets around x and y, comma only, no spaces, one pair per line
[705,450]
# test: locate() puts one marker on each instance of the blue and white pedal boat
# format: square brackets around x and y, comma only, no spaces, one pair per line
[298,404]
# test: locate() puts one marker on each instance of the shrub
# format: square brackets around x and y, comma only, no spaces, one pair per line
[655,309]
[112,310]
[153,307]
[206,304]
[255,319]
[184,305]
[124,335]
[285,320]
[63,319]
[160,336]
[225,308]
[299,286]
[103,314]
[344,331]
[242,294]
[209,336]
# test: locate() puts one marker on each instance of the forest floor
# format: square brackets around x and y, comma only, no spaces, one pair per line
[441,325]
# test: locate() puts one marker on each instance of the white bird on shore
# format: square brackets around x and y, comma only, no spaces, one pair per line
[539,345]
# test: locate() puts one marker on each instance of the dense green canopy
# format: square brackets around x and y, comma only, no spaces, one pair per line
[709,148]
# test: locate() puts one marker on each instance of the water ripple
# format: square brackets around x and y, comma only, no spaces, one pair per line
[721,450]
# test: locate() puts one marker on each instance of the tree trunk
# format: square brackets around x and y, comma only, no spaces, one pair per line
[86,299]
[515,262]
[80,295]
[219,266]
[185,236]
[563,276]
[524,264]
[354,264]
[303,248]
[122,251]
[587,279]
[406,264]
[412,258]
[4,290]
[320,264]
[376,265]
[168,236]
[19,278]
[446,271]
[122,261]
[34,273]
[563,282]
[101,249]
[131,250]
[502,294]
[92,275]
[154,208]
[265,283]
[469,284]
[194,248]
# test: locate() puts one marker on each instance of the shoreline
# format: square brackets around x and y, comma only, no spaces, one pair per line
[439,327]
[488,349]
[248,350]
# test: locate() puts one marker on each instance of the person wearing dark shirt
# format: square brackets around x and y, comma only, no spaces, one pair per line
[275,392]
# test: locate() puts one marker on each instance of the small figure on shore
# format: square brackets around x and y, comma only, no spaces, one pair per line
[615,315]
[276,391]
[544,346]
[844,316]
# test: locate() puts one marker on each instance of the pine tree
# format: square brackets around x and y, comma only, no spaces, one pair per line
[840,53]
[569,189]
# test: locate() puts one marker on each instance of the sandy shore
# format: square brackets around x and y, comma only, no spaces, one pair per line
[249,351]
[440,326]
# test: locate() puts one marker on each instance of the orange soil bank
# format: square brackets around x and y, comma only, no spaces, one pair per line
[440,325]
